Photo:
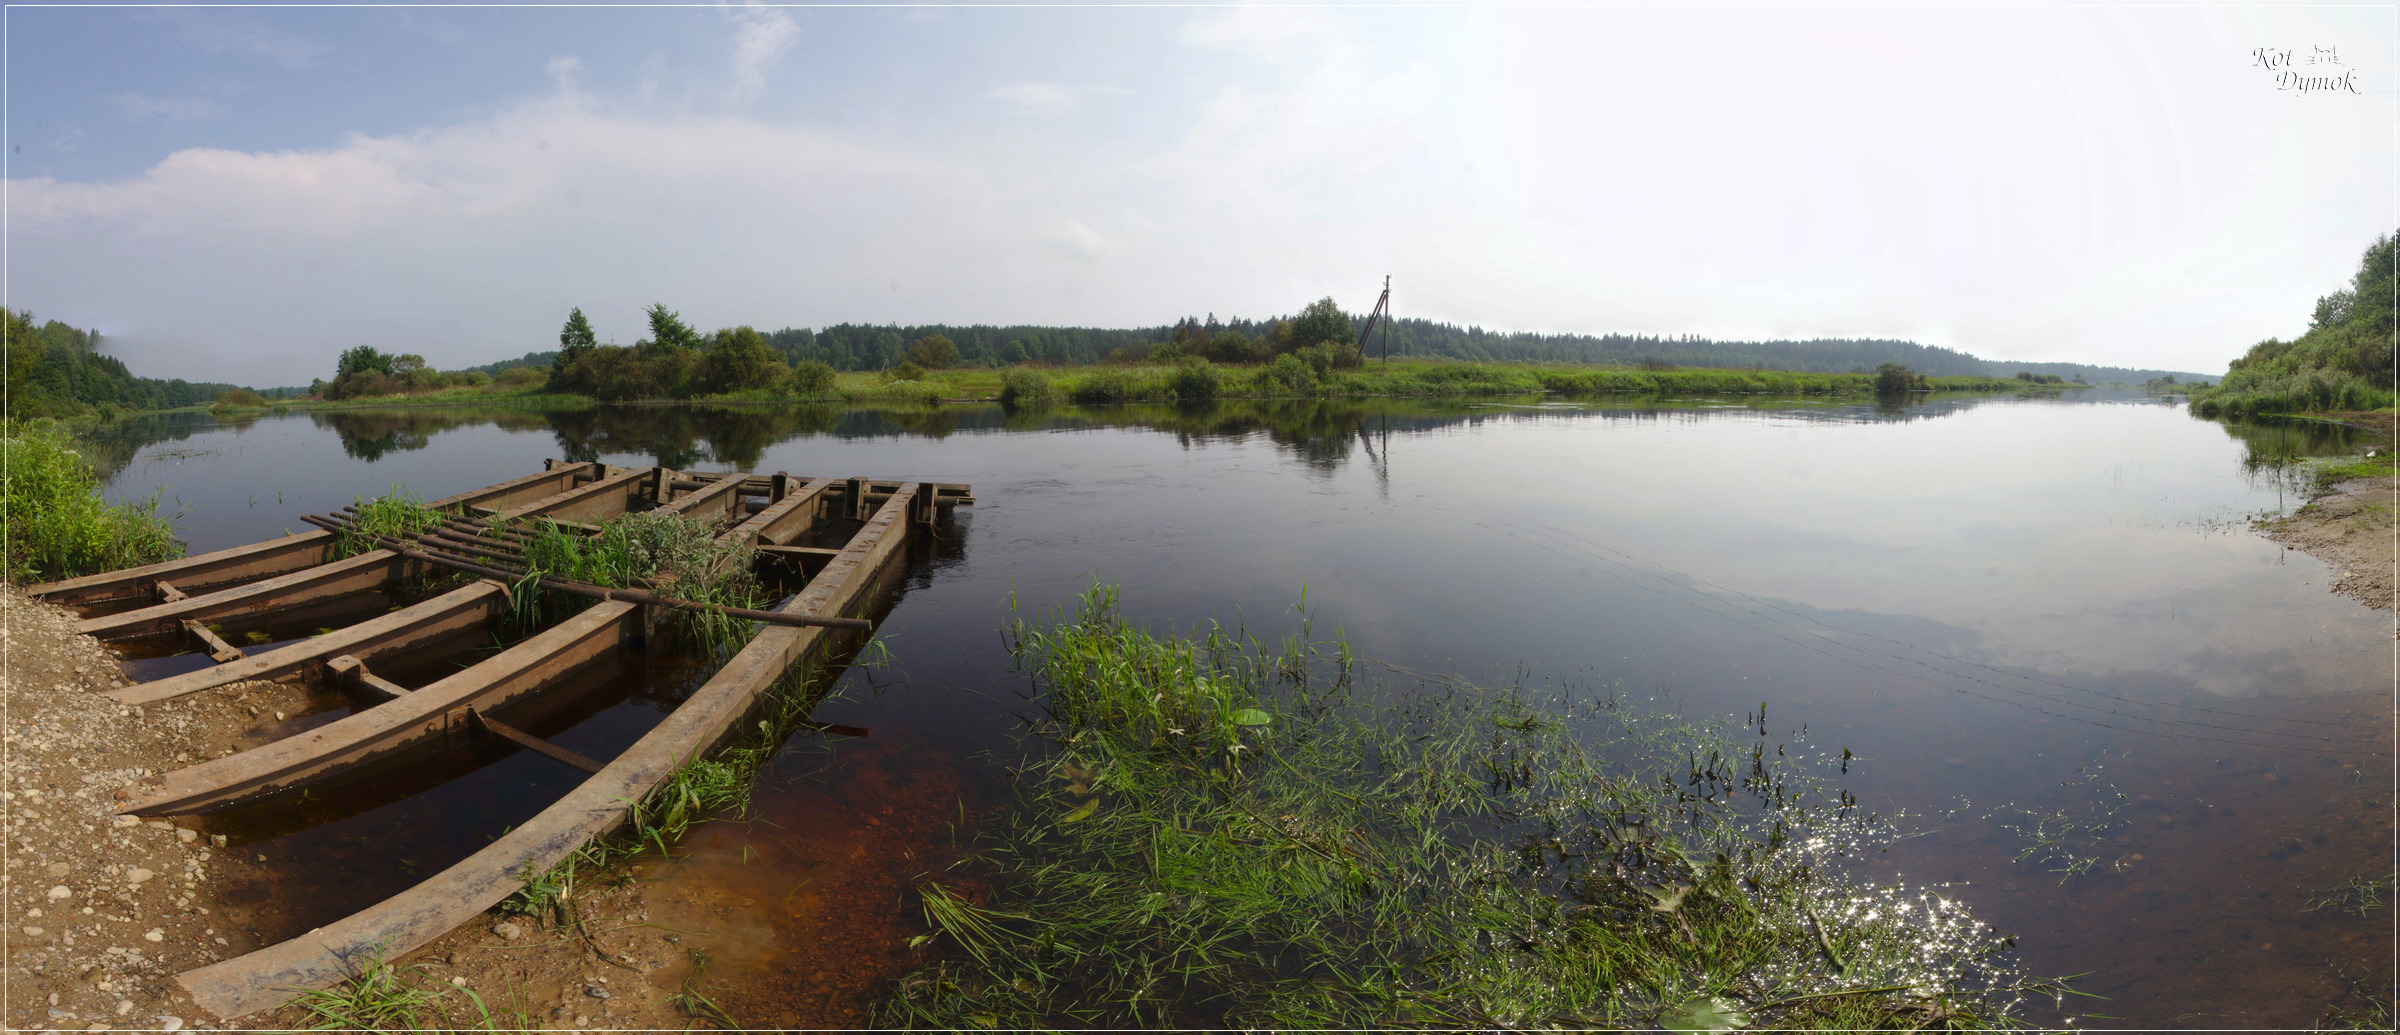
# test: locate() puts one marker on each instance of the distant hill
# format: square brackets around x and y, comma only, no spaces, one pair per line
[872,347]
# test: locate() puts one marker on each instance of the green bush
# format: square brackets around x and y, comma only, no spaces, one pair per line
[906,371]
[1107,386]
[58,524]
[1025,389]
[811,377]
[1195,379]
[1288,375]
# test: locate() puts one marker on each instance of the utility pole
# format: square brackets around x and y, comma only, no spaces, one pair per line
[1383,313]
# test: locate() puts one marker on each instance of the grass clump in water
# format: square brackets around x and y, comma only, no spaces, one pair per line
[59,526]
[1216,832]
[662,551]
[398,515]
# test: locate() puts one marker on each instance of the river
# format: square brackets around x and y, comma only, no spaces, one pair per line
[2018,614]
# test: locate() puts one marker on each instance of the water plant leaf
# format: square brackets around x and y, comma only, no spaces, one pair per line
[1707,1015]
[1252,717]
[1668,899]
[1082,812]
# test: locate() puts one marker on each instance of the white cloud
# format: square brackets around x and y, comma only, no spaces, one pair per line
[1080,241]
[760,36]
[173,109]
[566,71]
[1037,98]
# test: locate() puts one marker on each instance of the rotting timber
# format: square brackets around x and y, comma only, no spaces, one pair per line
[396,723]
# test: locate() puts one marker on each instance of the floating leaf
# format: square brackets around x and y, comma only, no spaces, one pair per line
[1668,899]
[1252,717]
[1082,812]
[1707,1015]
[919,940]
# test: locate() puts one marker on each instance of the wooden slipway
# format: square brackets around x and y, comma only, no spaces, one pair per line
[769,511]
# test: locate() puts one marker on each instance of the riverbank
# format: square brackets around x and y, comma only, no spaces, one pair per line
[1151,383]
[2350,522]
[103,911]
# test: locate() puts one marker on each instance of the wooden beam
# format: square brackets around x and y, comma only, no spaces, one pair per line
[534,743]
[265,978]
[358,574]
[351,672]
[218,650]
[458,610]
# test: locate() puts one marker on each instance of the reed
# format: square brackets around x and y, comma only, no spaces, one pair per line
[1211,830]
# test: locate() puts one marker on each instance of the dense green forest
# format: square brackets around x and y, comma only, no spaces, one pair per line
[55,370]
[2342,362]
[851,346]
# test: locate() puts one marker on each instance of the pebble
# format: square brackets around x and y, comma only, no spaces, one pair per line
[155,934]
[55,869]
[170,1022]
[186,835]
[124,1006]
[33,932]
[137,875]
[508,932]
[595,991]
[460,981]
[61,892]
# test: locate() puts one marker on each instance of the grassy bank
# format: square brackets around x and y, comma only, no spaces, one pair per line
[1211,831]
[59,524]
[1287,378]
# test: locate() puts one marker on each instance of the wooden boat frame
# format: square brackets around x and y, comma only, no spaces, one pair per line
[299,570]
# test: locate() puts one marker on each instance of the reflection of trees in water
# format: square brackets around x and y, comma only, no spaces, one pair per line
[371,434]
[2272,450]
[113,445]
[682,437]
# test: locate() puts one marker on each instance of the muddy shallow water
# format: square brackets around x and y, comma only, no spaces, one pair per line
[2120,725]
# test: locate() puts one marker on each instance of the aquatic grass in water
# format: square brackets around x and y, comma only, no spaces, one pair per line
[397,515]
[1214,831]
[667,552]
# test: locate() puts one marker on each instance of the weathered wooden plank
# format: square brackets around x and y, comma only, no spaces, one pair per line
[323,582]
[536,744]
[714,502]
[497,496]
[600,500]
[785,519]
[463,608]
[421,719]
[218,650]
[194,574]
[264,979]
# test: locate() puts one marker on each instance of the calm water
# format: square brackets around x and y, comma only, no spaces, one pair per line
[2004,607]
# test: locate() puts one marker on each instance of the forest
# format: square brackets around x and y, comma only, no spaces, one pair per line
[55,370]
[2342,362]
[850,347]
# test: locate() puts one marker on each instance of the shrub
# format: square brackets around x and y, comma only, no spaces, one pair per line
[1195,379]
[1235,347]
[1288,375]
[58,524]
[1025,389]
[1107,386]
[519,377]
[237,397]
[811,377]
[906,371]
[1894,379]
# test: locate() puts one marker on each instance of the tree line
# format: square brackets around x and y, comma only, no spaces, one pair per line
[57,370]
[2342,362]
[858,347]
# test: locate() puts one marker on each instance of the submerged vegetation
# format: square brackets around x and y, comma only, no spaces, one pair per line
[2342,363]
[662,551]
[1215,831]
[59,525]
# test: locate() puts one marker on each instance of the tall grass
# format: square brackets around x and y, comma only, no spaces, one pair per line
[1213,831]
[397,515]
[59,525]
[672,554]
[2246,393]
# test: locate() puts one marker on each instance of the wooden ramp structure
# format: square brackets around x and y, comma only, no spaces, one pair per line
[258,582]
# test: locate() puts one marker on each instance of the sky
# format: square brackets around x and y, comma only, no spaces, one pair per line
[239,193]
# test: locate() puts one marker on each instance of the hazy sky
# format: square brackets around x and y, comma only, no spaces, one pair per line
[238,193]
